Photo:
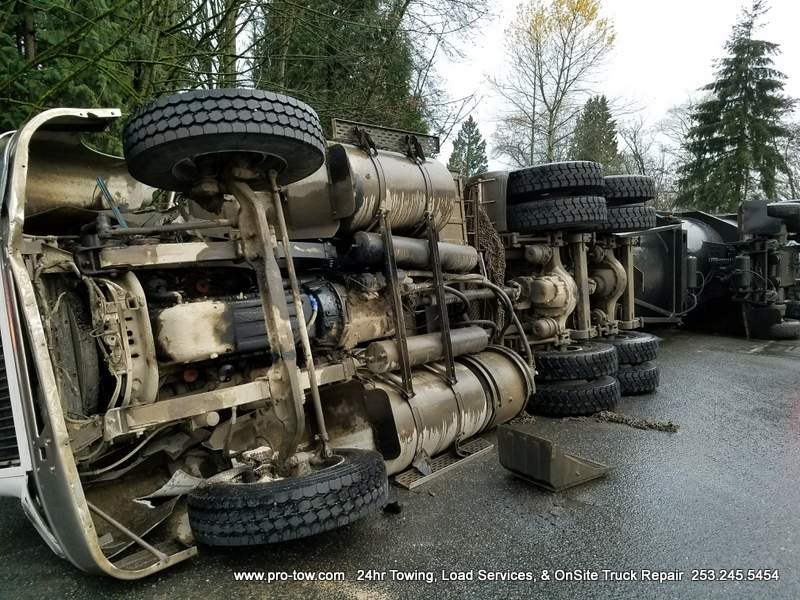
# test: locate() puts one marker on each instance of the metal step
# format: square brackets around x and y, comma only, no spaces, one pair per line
[446,461]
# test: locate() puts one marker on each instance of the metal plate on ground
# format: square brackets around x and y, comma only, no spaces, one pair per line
[542,462]
[412,478]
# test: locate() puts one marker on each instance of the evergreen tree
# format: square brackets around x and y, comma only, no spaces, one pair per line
[52,55]
[595,136]
[353,60]
[469,150]
[733,140]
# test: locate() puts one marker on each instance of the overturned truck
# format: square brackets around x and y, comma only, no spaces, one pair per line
[235,335]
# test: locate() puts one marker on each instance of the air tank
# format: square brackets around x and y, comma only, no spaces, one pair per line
[367,250]
[384,355]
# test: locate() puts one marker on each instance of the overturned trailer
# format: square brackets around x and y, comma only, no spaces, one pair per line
[735,274]
[253,322]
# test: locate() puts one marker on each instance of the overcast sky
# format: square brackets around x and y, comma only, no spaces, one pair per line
[664,52]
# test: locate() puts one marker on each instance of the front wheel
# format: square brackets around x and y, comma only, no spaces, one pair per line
[227,511]
[176,140]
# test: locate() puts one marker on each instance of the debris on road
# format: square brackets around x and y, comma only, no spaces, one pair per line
[614,417]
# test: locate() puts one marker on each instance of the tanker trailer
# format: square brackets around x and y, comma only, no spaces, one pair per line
[729,273]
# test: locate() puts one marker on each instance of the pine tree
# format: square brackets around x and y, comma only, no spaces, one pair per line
[733,139]
[469,150]
[595,136]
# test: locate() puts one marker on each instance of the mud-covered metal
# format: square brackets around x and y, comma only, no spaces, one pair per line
[582,318]
[347,317]
[492,387]
[208,329]
[63,172]
[368,250]
[283,417]
[548,293]
[490,190]
[60,512]
[384,356]
[392,181]
[195,315]
[122,323]
[610,282]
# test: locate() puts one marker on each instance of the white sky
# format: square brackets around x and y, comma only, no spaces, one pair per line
[664,52]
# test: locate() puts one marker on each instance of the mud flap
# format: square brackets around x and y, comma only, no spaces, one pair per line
[543,463]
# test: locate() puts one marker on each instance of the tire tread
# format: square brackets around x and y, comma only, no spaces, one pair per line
[583,398]
[569,178]
[552,214]
[223,514]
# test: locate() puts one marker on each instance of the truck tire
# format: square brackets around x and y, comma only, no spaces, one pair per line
[622,190]
[630,218]
[554,214]
[162,139]
[573,178]
[788,329]
[638,379]
[586,360]
[634,347]
[792,309]
[575,398]
[228,513]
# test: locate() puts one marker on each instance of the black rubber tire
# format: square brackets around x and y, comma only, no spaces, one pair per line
[162,139]
[788,329]
[629,189]
[630,218]
[789,209]
[633,347]
[573,178]
[575,398]
[245,514]
[638,379]
[792,309]
[578,360]
[556,214]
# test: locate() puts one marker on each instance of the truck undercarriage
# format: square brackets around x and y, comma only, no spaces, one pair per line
[235,335]
[288,358]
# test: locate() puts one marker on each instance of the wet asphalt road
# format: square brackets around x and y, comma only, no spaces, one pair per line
[721,493]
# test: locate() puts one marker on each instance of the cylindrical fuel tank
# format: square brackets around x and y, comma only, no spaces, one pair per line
[392,180]
[492,388]
[308,209]
[505,377]
[384,356]
[367,250]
